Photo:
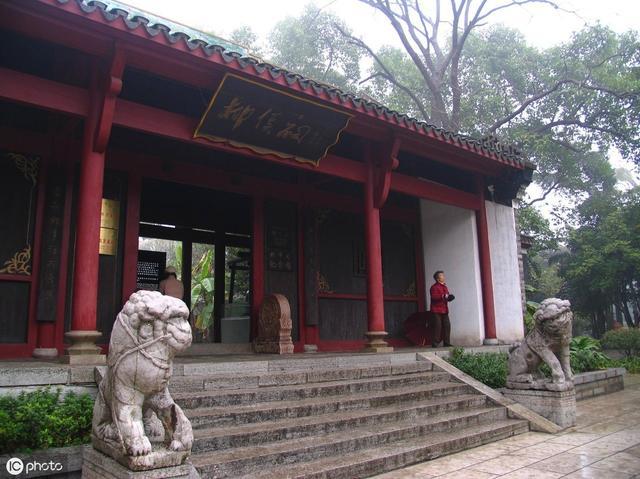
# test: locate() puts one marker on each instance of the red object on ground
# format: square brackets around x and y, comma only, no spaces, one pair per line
[416,330]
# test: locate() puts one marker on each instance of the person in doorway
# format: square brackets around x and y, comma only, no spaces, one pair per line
[170,284]
[440,299]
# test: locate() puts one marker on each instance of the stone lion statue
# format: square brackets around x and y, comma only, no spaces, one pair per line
[148,332]
[548,342]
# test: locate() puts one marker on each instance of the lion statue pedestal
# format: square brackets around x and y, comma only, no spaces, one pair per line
[548,343]
[133,406]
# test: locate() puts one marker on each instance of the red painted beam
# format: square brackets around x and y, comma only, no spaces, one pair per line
[51,95]
[32,90]
[430,190]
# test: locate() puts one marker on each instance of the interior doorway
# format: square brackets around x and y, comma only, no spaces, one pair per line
[206,236]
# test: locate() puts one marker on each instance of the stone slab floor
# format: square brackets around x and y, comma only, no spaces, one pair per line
[604,444]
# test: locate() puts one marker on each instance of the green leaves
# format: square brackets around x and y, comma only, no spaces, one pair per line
[627,340]
[312,45]
[488,368]
[43,419]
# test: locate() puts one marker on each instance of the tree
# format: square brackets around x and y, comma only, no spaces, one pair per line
[313,46]
[247,39]
[603,267]
[565,106]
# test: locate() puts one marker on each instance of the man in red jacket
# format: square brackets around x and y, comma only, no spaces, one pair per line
[440,298]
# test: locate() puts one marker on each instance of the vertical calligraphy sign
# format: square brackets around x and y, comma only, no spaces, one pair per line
[248,114]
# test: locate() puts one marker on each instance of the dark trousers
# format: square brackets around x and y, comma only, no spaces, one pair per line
[440,328]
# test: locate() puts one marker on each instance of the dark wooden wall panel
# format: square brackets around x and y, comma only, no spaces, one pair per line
[395,313]
[281,254]
[110,272]
[342,319]
[341,251]
[14,311]
[398,259]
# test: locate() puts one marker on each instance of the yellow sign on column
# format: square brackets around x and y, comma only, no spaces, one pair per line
[109,221]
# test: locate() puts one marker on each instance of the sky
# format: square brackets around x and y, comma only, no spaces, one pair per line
[542,25]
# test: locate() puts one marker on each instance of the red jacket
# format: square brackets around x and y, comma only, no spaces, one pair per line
[439,293]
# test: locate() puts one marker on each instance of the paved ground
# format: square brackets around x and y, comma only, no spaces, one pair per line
[604,444]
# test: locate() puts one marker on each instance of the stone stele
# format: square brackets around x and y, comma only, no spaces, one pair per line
[548,343]
[274,326]
[133,393]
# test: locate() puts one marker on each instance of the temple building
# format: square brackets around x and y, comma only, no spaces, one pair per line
[129,143]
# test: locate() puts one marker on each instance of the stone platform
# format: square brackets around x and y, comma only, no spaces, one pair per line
[558,407]
[96,465]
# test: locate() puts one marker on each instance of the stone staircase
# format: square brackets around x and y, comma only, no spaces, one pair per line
[345,417]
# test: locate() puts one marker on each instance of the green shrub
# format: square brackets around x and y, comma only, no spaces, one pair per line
[626,339]
[43,419]
[631,364]
[529,322]
[586,355]
[488,368]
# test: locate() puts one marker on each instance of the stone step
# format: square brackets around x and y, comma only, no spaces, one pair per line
[251,459]
[190,400]
[208,382]
[218,438]
[229,416]
[394,455]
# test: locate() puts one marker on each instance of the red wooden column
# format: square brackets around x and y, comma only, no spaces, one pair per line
[131,231]
[97,128]
[485,268]
[375,297]
[257,263]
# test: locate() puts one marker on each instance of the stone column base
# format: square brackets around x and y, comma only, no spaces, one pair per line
[83,349]
[376,343]
[97,465]
[310,348]
[45,353]
[558,407]
[490,342]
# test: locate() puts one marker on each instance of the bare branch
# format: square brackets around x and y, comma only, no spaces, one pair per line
[546,193]
[525,104]
[581,124]
[387,74]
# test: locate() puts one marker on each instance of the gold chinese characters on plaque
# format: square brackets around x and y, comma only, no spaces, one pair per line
[109,221]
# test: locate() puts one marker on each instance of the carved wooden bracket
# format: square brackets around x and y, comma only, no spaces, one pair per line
[387,161]
[112,88]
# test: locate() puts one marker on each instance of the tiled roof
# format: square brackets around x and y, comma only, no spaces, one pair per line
[173,33]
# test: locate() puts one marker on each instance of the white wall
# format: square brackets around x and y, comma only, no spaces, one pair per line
[449,240]
[505,272]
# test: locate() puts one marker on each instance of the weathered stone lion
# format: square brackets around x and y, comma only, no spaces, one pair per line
[548,342]
[147,333]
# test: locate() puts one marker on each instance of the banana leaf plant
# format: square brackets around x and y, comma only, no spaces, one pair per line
[202,293]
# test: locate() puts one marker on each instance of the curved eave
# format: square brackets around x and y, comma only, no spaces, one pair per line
[159,34]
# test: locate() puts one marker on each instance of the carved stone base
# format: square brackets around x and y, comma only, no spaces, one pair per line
[83,349]
[97,465]
[490,342]
[376,343]
[557,406]
[159,457]
[273,347]
[274,326]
